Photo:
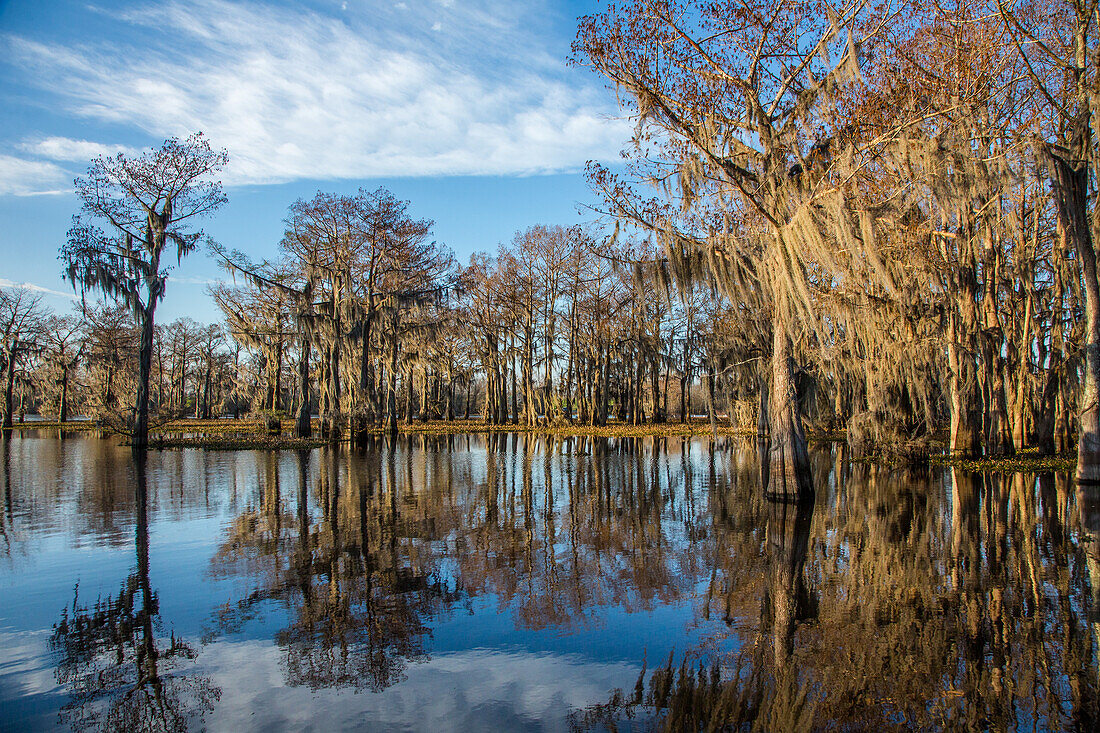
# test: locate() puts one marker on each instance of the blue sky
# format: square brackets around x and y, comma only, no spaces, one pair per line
[466,108]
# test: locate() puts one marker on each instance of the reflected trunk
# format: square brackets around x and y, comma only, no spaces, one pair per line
[787,597]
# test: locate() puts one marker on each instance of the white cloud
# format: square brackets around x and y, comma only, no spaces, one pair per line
[5,283]
[23,177]
[64,148]
[294,95]
[480,689]
[189,280]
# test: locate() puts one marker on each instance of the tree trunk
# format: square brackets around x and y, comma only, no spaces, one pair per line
[63,400]
[1021,397]
[998,429]
[449,396]
[572,365]
[9,386]
[684,398]
[1088,447]
[302,426]
[391,400]
[368,394]
[963,439]
[501,373]
[529,369]
[512,371]
[425,399]
[657,414]
[108,393]
[334,393]
[789,463]
[277,389]
[140,439]
[763,444]
[1071,187]
[710,399]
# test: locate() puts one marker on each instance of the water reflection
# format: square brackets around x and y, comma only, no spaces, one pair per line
[934,599]
[6,520]
[119,674]
[357,598]
[893,620]
[786,600]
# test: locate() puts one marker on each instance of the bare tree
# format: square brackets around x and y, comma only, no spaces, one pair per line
[22,318]
[64,348]
[148,203]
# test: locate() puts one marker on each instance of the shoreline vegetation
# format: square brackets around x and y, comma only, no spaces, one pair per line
[253,434]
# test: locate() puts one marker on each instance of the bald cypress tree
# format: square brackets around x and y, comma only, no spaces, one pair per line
[147,204]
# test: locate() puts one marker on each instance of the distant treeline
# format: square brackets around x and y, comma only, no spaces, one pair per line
[555,328]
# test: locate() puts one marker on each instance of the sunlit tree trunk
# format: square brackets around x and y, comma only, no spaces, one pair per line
[998,429]
[789,463]
[963,437]
[512,372]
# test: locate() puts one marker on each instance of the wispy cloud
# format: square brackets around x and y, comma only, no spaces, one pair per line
[382,90]
[5,283]
[25,177]
[64,148]
[187,280]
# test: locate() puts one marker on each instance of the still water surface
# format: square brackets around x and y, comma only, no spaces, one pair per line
[517,582]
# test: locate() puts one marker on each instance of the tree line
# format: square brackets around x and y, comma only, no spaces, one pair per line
[554,329]
[878,217]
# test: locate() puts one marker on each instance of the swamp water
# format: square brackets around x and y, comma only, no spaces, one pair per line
[517,582]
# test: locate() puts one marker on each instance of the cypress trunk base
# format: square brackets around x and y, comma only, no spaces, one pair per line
[1088,464]
[362,427]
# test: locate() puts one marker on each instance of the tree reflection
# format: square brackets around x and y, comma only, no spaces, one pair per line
[760,686]
[897,611]
[898,599]
[6,514]
[358,595]
[786,600]
[573,526]
[119,674]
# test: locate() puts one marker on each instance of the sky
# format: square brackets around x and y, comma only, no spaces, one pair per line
[468,109]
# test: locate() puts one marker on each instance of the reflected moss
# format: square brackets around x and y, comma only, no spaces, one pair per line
[119,673]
